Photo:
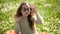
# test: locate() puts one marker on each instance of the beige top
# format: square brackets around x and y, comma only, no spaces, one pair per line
[24,25]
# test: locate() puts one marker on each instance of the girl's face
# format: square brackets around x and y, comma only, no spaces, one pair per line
[25,10]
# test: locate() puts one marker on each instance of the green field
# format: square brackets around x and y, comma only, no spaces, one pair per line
[48,9]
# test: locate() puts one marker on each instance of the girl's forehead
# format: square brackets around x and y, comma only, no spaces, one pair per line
[26,6]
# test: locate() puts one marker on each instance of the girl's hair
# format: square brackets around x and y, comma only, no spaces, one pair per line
[30,20]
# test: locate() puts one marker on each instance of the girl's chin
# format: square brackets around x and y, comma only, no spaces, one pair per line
[26,14]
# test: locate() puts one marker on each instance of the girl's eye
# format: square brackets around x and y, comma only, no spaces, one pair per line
[26,9]
[30,9]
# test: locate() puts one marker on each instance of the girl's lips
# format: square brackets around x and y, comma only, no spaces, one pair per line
[26,13]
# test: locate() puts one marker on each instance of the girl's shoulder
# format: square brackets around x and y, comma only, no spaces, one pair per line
[18,19]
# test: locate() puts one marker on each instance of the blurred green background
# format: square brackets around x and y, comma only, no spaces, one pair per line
[49,10]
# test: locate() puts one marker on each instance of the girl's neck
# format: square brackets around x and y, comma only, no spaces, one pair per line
[24,17]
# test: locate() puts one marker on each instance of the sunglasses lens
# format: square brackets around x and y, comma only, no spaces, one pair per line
[26,9]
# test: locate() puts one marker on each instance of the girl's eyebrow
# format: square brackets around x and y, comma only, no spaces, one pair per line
[26,7]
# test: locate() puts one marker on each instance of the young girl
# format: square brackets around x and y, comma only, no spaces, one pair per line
[26,19]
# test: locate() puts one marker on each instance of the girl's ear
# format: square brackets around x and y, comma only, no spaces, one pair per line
[33,9]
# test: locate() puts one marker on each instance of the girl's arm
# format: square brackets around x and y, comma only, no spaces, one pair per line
[38,19]
[17,28]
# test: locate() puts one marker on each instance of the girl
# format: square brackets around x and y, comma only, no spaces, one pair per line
[26,19]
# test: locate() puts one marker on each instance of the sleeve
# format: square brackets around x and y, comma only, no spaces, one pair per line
[17,28]
[38,18]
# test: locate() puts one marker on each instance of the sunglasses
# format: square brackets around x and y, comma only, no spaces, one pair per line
[27,9]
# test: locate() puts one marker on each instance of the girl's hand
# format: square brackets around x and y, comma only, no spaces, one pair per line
[20,33]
